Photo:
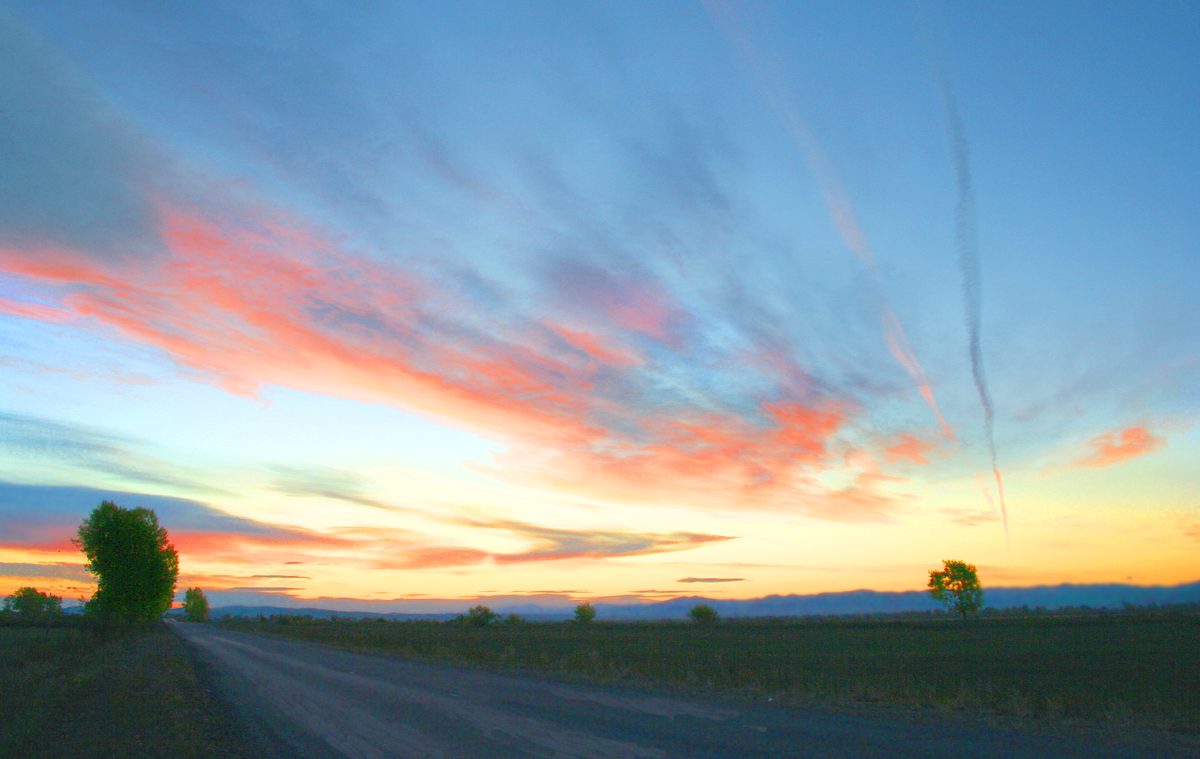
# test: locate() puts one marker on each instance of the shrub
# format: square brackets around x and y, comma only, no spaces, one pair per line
[584,613]
[481,616]
[31,604]
[703,614]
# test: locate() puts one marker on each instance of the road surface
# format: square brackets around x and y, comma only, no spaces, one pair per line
[306,700]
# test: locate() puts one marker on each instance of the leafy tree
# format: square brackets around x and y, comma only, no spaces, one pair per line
[30,603]
[956,585]
[195,605]
[585,613]
[703,614]
[134,564]
[481,616]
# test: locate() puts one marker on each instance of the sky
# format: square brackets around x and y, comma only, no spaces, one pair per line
[415,304]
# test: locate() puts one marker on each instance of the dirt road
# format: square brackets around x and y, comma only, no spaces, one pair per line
[306,700]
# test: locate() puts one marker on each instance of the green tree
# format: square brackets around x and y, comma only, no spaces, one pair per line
[134,564]
[481,616]
[703,614]
[195,605]
[30,603]
[585,613]
[956,585]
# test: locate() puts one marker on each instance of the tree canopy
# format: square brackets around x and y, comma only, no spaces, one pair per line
[30,603]
[585,613]
[481,616]
[134,564]
[703,614]
[956,585]
[195,605]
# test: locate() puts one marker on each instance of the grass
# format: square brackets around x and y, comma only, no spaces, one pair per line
[64,692]
[1135,670]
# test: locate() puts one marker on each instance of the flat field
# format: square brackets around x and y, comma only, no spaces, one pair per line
[1135,670]
[64,692]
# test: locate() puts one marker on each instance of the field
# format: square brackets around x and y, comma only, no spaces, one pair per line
[1118,670]
[65,693]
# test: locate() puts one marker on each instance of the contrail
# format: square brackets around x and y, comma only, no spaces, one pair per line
[967,242]
[840,209]
[844,219]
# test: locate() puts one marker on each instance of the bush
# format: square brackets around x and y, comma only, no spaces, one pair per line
[481,616]
[584,613]
[703,614]
[32,604]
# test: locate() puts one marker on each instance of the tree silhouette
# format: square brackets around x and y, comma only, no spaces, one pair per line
[30,603]
[585,613]
[956,585]
[135,566]
[195,605]
[481,616]
[703,614]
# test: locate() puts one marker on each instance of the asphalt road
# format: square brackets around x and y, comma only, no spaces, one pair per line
[306,700]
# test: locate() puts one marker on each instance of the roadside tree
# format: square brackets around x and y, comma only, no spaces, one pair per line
[703,614]
[195,605]
[585,613]
[134,564]
[30,603]
[956,585]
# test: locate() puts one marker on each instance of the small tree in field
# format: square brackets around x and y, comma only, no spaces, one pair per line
[135,566]
[195,605]
[585,613]
[481,616]
[30,603]
[956,585]
[703,614]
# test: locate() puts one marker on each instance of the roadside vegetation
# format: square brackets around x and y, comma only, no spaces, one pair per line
[112,681]
[65,691]
[1131,668]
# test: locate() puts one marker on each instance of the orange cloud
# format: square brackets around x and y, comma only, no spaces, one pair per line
[1113,448]
[270,302]
[909,449]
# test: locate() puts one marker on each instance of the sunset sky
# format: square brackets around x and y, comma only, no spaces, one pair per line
[612,301]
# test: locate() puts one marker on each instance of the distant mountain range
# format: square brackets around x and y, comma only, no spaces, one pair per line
[819,604]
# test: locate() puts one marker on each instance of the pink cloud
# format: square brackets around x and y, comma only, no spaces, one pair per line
[268,301]
[910,449]
[1114,448]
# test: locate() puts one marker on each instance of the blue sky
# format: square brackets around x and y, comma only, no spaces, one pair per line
[446,300]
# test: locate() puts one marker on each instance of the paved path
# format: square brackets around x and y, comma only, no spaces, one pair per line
[307,700]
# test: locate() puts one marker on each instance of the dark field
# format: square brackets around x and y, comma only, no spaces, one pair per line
[1134,670]
[64,692]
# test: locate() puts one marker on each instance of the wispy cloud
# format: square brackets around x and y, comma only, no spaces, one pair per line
[567,544]
[38,517]
[76,445]
[580,408]
[598,357]
[54,569]
[911,449]
[971,517]
[323,482]
[74,175]
[711,579]
[1115,447]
